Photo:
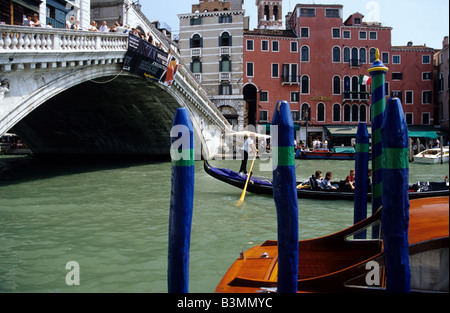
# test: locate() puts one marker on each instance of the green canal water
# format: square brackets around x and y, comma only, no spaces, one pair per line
[111,217]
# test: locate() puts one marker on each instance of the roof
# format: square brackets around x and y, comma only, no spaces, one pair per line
[271,32]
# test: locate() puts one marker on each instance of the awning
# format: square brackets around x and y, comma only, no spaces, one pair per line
[345,130]
[423,134]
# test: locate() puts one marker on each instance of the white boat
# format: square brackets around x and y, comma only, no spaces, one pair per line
[432,156]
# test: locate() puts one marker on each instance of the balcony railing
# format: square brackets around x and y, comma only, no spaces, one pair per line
[225,50]
[224,76]
[290,79]
[196,52]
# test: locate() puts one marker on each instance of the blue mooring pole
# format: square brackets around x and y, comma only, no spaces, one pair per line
[285,197]
[181,202]
[361,176]
[395,199]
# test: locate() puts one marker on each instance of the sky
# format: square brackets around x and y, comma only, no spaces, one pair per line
[419,21]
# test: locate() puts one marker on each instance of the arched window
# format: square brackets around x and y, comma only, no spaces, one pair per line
[363,55]
[346,87]
[372,55]
[225,40]
[346,54]
[354,61]
[336,85]
[305,84]
[321,112]
[355,86]
[196,41]
[347,113]
[225,64]
[305,54]
[306,112]
[355,113]
[363,113]
[196,66]
[336,54]
[336,112]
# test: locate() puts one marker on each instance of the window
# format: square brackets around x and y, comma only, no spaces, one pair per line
[397,76]
[357,21]
[290,72]
[427,76]
[372,52]
[441,82]
[336,112]
[336,55]
[373,35]
[426,118]
[225,89]
[396,59]
[321,112]
[409,99]
[264,45]
[250,70]
[226,18]
[264,116]
[397,94]
[225,40]
[363,55]
[196,66]
[336,85]
[275,70]
[294,46]
[305,54]
[295,96]
[196,41]
[332,13]
[409,118]
[426,97]
[355,86]
[264,96]
[225,65]
[306,112]
[354,62]
[275,46]
[362,35]
[355,113]
[346,54]
[305,84]
[307,12]
[250,45]
[304,32]
[385,57]
[295,116]
[426,59]
[336,33]
[362,90]
[363,113]
[346,34]
[196,21]
[346,87]
[347,113]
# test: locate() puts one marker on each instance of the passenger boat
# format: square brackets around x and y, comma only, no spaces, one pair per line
[262,185]
[336,153]
[432,156]
[339,263]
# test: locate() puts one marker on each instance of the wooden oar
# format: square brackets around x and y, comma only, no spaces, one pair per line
[241,200]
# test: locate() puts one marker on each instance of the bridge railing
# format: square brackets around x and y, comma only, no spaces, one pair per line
[22,38]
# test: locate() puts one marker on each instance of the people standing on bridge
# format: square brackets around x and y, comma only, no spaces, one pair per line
[93,27]
[35,21]
[104,27]
[249,146]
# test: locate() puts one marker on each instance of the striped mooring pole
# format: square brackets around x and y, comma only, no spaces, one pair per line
[378,72]
[395,217]
[181,202]
[285,197]
[361,176]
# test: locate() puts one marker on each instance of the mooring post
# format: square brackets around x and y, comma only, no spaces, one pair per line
[378,72]
[181,202]
[395,216]
[361,176]
[285,197]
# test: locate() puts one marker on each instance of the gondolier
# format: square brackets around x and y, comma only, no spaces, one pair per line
[249,146]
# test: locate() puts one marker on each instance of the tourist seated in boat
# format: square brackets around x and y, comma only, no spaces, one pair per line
[326,182]
[316,180]
[350,180]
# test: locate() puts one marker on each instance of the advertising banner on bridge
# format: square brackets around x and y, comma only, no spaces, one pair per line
[149,61]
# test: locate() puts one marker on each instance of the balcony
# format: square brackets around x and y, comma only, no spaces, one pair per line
[198,77]
[225,51]
[225,76]
[196,52]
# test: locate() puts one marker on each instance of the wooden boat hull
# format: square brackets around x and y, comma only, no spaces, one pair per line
[335,264]
[262,185]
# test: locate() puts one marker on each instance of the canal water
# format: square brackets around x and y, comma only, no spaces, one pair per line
[111,217]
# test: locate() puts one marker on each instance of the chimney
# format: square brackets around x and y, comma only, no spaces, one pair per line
[410,43]
[445,42]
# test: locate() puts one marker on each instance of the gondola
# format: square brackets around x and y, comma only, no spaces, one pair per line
[262,185]
[339,263]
